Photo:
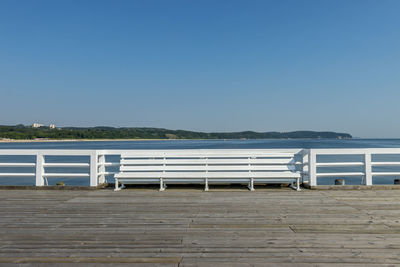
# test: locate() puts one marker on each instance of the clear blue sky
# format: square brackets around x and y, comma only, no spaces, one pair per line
[203,65]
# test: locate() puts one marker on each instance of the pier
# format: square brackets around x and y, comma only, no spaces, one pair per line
[193,225]
[189,227]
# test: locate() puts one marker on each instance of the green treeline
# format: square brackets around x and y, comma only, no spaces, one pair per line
[27,132]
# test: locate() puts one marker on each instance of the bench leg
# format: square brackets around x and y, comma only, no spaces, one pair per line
[162,185]
[206,185]
[116,185]
[251,185]
[297,187]
[298,184]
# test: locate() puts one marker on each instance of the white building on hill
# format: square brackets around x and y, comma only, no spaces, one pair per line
[37,125]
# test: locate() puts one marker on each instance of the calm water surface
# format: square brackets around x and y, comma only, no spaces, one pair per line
[193,144]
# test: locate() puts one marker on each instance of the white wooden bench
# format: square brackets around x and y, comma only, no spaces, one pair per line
[213,166]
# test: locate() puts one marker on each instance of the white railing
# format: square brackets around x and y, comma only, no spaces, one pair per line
[39,165]
[364,163]
[315,164]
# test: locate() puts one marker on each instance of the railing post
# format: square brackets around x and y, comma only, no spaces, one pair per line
[102,169]
[93,169]
[206,180]
[39,169]
[312,168]
[305,168]
[368,168]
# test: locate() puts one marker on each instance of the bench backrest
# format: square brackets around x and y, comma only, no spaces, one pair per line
[221,160]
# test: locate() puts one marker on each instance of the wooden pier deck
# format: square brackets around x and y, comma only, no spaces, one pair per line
[188,227]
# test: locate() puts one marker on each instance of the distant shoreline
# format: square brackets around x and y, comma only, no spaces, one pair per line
[121,140]
[104,133]
[80,140]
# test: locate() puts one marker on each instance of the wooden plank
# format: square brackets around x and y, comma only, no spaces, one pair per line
[13,164]
[225,174]
[188,227]
[21,174]
[203,168]
[338,164]
[211,161]
[339,174]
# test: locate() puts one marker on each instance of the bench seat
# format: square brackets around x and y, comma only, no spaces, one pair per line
[208,175]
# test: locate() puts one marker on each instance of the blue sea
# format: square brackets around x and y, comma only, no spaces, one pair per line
[184,144]
[210,144]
